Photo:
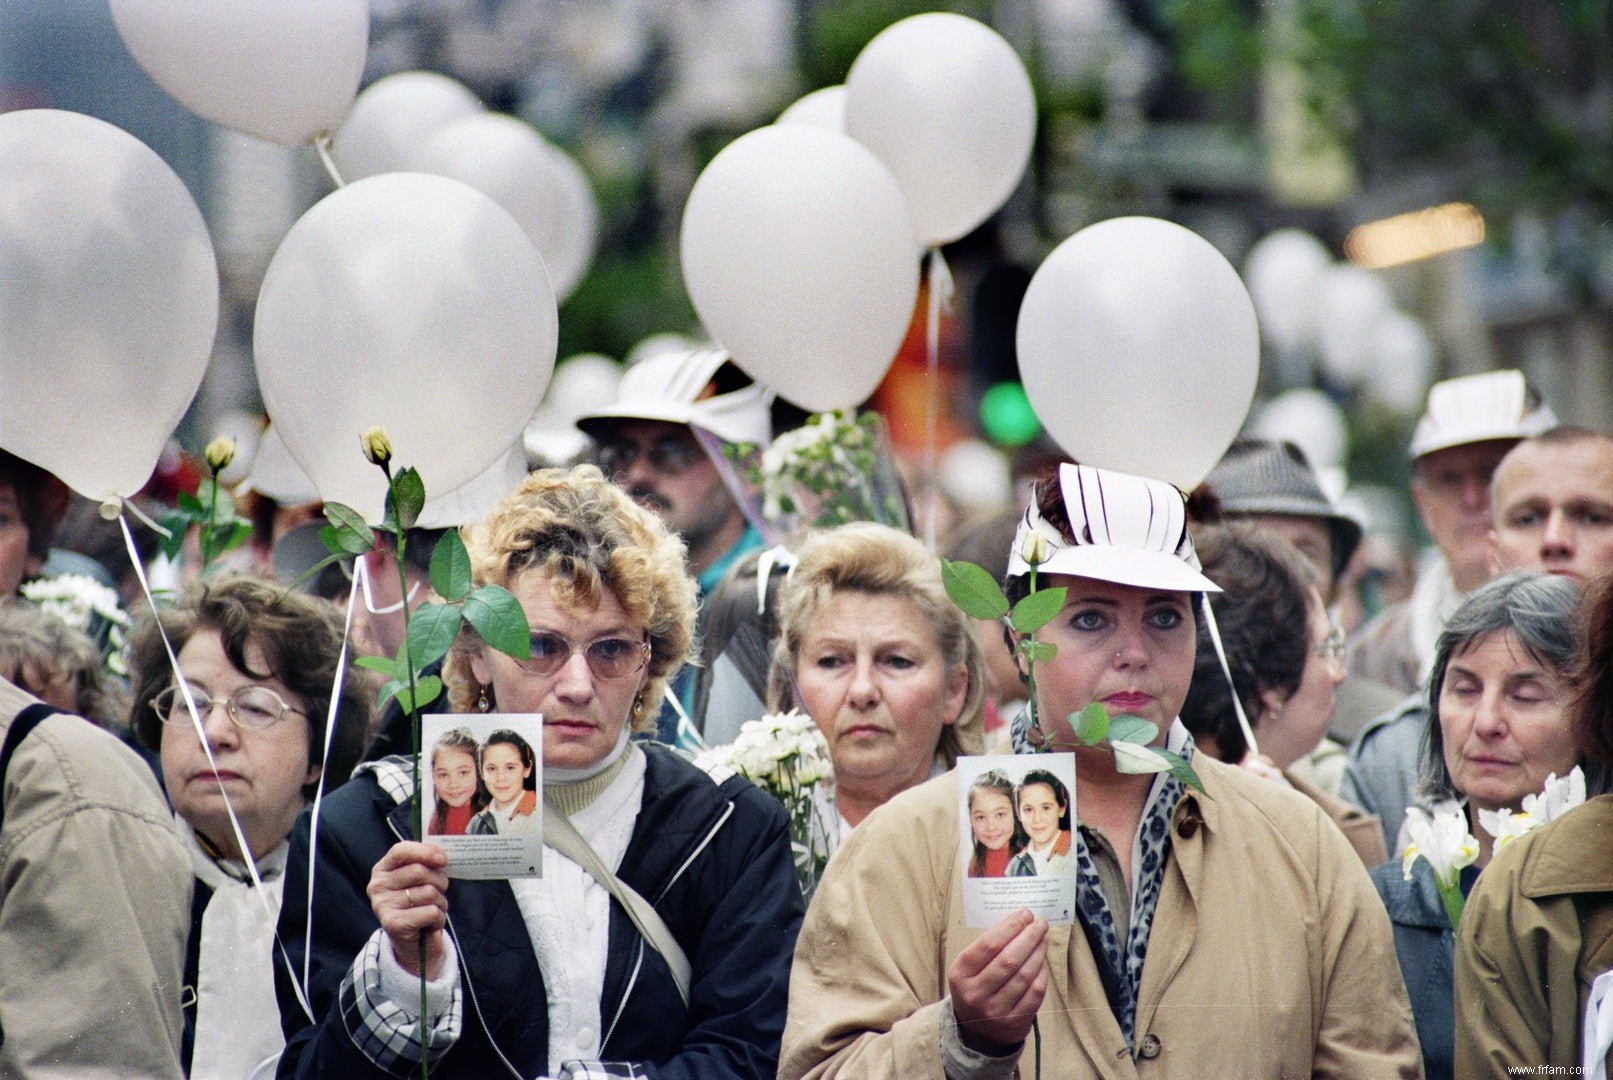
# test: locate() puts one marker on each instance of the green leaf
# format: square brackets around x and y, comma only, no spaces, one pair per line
[974,590]
[432,629]
[387,693]
[498,617]
[177,525]
[1091,724]
[1038,652]
[408,497]
[321,564]
[192,507]
[425,692]
[351,533]
[1180,769]
[1131,758]
[450,567]
[383,664]
[1132,729]
[1037,610]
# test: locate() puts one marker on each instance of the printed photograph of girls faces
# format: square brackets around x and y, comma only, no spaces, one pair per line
[484,792]
[1015,816]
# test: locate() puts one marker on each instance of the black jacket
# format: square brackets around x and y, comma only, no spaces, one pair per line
[716,862]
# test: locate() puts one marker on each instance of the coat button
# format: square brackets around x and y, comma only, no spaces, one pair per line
[1150,1047]
[1188,825]
[585,1039]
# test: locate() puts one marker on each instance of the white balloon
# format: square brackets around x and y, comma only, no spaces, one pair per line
[576,232]
[282,70]
[504,159]
[946,104]
[108,300]
[581,384]
[822,108]
[1403,361]
[276,475]
[472,502]
[1311,421]
[246,430]
[408,302]
[801,260]
[1283,271]
[1352,303]
[1139,350]
[393,116]
[976,475]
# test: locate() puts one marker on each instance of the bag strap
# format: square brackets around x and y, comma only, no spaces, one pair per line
[24,722]
[560,834]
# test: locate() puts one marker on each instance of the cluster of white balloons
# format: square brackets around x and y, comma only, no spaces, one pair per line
[420,298]
[1345,313]
[801,240]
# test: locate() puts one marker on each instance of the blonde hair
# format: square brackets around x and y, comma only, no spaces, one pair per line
[877,559]
[32,639]
[586,536]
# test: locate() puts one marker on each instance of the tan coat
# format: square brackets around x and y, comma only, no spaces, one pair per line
[1537,930]
[1364,831]
[1270,953]
[94,908]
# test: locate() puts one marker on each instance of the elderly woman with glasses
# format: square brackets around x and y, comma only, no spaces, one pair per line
[656,942]
[240,728]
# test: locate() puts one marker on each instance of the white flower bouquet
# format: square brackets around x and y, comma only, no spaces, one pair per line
[831,470]
[88,607]
[786,756]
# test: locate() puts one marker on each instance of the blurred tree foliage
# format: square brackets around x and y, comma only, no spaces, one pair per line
[1512,98]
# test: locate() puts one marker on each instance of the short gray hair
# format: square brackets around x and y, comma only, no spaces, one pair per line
[1537,610]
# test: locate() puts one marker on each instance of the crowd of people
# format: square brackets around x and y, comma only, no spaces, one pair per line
[223,872]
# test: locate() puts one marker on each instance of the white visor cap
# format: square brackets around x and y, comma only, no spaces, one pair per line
[668,387]
[1129,530]
[1479,408]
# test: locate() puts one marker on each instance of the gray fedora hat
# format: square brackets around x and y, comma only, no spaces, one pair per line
[1261,476]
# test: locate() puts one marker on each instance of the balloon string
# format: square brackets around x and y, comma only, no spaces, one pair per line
[940,295]
[207,749]
[360,574]
[1226,669]
[322,145]
[120,504]
[742,496]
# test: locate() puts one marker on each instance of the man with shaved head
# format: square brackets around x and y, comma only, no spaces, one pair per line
[1553,505]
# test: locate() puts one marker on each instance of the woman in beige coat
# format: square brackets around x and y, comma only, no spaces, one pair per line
[1228,933]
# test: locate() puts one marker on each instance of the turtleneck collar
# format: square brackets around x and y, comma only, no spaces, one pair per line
[572,796]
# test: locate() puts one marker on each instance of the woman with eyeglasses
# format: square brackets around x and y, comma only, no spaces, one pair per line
[1285,660]
[656,942]
[259,664]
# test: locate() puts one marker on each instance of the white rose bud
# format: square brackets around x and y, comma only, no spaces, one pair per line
[219,453]
[1035,549]
[377,447]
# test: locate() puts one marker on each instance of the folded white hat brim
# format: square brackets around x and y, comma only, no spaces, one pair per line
[1128,566]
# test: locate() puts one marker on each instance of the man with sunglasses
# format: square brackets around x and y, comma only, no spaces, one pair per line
[674,414]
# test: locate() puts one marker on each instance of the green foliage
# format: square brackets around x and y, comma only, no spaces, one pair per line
[450,567]
[405,501]
[432,629]
[1132,729]
[973,589]
[211,511]
[1037,610]
[1091,724]
[498,617]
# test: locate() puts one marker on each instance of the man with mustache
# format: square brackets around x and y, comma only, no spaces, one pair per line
[648,445]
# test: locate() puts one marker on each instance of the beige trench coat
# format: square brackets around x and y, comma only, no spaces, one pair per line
[1270,954]
[1537,930]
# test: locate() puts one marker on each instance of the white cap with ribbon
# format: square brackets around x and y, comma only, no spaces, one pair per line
[1479,408]
[1128,530]
[675,387]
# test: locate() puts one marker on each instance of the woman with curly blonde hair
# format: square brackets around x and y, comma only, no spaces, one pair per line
[563,974]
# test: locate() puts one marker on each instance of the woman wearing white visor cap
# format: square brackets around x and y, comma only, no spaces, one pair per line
[1228,932]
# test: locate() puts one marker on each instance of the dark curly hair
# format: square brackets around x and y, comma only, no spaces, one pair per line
[300,637]
[1263,614]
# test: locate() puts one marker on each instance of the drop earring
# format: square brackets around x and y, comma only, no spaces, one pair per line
[482,704]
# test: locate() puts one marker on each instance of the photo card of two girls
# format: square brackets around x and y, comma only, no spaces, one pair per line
[482,796]
[1015,815]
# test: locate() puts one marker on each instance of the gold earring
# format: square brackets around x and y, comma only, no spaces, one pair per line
[482,704]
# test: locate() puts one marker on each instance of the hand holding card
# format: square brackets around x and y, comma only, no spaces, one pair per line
[997,984]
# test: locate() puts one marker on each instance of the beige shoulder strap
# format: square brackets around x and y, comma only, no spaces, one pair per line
[560,834]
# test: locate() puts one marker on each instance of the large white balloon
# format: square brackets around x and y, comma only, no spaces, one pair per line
[571,246]
[282,70]
[1283,271]
[821,108]
[1403,360]
[409,302]
[801,260]
[1139,350]
[393,116]
[108,300]
[473,501]
[1352,302]
[1309,419]
[946,104]
[504,159]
